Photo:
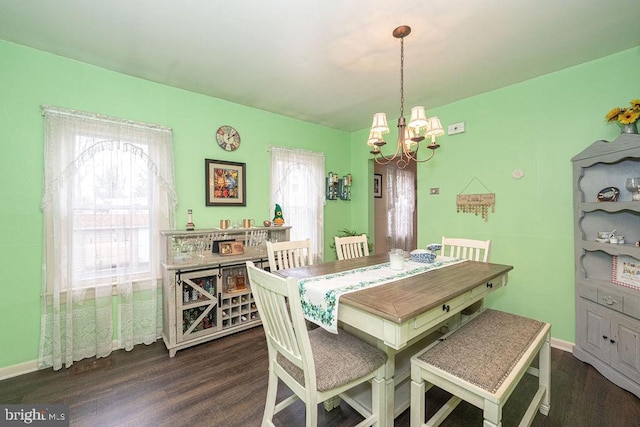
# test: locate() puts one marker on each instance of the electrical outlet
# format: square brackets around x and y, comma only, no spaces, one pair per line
[455,128]
[434,190]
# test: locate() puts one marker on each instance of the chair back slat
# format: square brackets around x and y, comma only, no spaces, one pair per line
[474,250]
[290,254]
[351,246]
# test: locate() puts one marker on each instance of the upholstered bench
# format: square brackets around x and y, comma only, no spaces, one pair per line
[481,363]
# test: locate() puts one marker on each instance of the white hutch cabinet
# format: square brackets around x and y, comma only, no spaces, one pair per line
[607,308]
[206,295]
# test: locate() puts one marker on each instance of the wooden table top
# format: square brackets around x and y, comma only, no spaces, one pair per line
[404,299]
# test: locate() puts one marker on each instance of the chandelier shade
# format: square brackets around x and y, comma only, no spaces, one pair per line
[379,124]
[409,136]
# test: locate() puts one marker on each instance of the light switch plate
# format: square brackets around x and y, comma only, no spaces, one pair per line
[455,128]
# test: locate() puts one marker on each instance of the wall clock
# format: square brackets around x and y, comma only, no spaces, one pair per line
[228,138]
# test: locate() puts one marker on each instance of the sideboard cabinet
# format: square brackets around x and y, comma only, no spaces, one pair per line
[206,294]
[607,293]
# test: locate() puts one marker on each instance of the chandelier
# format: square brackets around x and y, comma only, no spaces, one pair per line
[409,136]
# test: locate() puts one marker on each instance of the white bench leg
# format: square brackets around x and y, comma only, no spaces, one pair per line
[544,375]
[492,414]
[417,403]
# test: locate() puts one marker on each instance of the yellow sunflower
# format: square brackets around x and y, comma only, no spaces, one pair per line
[629,116]
[635,104]
[612,115]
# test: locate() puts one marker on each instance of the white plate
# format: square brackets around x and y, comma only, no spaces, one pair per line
[602,240]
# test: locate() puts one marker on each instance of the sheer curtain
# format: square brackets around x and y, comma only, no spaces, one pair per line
[108,190]
[401,202]
[297,185]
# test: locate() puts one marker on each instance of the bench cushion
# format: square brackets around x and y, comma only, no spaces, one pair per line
[484,351]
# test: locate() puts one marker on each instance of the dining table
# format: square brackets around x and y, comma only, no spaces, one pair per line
[403,313]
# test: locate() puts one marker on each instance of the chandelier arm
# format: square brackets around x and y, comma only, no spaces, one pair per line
[415,158]
[388,159]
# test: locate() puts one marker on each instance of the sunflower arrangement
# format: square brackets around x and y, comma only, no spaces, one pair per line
[625,116]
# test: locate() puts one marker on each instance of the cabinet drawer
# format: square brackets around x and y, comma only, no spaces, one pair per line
[588,292]
[610,299]
[632,306]
[449,308]
[482,290]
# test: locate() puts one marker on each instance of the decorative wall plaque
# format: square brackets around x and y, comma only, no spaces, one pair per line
[477,204]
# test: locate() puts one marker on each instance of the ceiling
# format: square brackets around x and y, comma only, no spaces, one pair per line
[330,62]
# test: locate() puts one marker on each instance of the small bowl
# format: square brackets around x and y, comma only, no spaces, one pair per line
[434,246]
[602,240]
[422,255]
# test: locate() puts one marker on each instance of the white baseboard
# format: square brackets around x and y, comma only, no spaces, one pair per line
[19,369]
[562,345]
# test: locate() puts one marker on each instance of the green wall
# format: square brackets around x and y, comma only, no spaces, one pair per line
[30,78]
[536,126]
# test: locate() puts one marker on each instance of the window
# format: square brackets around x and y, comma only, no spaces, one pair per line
[297,185]
[109,190]
[111,212]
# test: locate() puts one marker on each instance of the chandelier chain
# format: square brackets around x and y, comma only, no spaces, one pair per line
[402,77]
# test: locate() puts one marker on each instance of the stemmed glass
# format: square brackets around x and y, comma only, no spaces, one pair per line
[633,185]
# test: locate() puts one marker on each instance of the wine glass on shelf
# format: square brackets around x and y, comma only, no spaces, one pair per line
[633,185]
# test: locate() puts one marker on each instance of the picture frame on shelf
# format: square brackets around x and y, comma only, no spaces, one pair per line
[231,248]
[626,271]
[377,185]
[225,183]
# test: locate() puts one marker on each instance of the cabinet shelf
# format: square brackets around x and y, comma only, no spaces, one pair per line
[610,206]
[612,249]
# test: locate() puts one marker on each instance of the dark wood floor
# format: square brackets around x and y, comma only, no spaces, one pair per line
[223,383]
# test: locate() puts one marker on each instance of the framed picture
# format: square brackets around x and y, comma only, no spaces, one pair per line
[626,271]
[377,185]
[231,248]
[225,183]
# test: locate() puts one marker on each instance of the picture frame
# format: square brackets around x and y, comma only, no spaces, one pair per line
[231,248]
[626,271]
[377,185]
[225,183]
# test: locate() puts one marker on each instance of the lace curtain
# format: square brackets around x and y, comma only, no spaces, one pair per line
[108,190]
[401,202]
[297,185]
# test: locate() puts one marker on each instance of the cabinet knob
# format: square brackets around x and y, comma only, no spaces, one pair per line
[605,337]
[612,341]
[445,307]
[489,285]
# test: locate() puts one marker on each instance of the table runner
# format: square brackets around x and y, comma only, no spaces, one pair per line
[320,295]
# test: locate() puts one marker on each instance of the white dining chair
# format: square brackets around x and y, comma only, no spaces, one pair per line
[352,246]
[315,365]
[474,250]
[289,254]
